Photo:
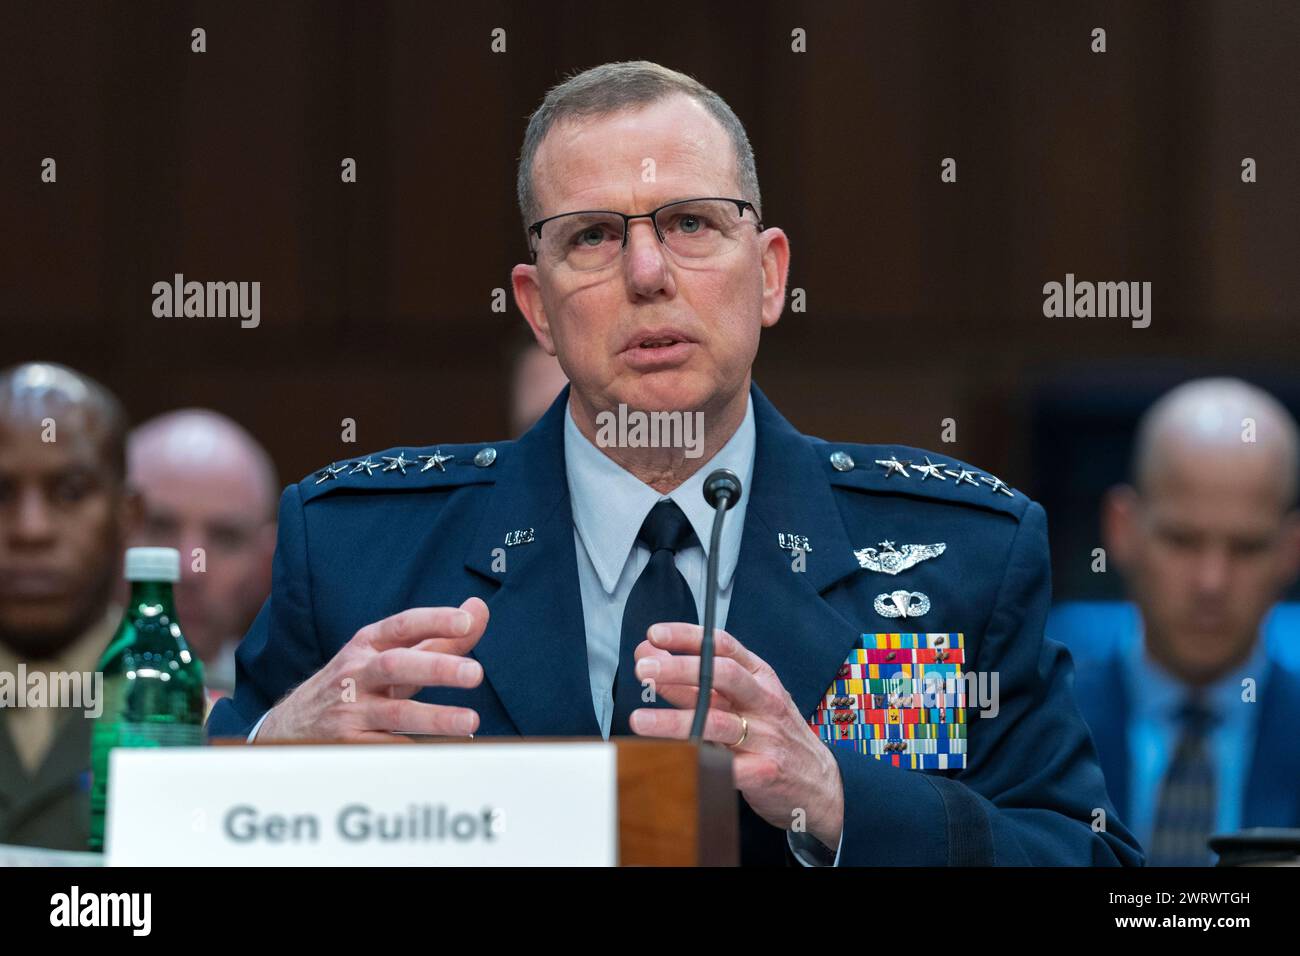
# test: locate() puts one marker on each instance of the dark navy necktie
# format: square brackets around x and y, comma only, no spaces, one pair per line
[1185,811]
[660,594]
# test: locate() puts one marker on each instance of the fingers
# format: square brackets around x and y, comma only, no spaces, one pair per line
[399,666]
[416,717]
[720,727]
[458,629]
[683,696]
[681,638]
[729,678]
[646,649]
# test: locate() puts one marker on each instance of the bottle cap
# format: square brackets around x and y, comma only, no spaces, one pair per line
[153,564]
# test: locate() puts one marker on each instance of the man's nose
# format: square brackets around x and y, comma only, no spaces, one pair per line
[645,260]
[192,545]
[1212,571]
[33,521]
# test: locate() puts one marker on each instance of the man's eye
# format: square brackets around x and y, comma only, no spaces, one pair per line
[689,224]
[591,236]
[1249,549]
[71,490]
[228,539]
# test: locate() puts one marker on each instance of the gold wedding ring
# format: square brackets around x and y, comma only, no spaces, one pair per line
[744,731]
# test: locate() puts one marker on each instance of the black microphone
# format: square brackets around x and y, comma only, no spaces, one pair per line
[721,490]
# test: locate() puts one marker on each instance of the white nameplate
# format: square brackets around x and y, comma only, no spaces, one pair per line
[489,804]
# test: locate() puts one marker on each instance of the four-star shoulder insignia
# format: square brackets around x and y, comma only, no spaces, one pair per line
[997,485]
[399,462]
[930,469]
[396,468]
[894,467]
[330,472]
[436,460]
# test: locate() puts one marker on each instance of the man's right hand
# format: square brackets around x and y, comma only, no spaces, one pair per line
[363,694]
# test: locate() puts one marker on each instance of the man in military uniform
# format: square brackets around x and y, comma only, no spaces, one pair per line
[66,512]
[553,585]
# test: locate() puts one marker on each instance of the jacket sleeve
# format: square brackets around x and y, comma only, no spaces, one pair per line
[280,650]
[1032,793]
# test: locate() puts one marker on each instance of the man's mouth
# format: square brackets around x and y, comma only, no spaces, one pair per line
[661,338]
[657,350]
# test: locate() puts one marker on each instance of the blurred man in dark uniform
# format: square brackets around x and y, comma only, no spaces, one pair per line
[65,512]
[540,587]
[1195,724]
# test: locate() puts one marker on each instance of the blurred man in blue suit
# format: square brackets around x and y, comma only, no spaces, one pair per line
[553,585]
[1194,720]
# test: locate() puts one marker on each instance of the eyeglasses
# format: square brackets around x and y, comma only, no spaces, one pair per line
[694,230]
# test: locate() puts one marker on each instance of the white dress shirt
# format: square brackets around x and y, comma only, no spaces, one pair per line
[609,505]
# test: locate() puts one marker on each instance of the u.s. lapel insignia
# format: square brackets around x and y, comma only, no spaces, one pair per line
[899,698]
[522,536]
[902,604]
[793,542]
[891,560]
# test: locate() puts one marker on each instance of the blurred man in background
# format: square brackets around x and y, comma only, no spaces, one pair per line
[1194,723]
[65,514]
[210,491]
[535,379]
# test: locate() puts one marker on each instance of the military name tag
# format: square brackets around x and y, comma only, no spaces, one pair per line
[899,698]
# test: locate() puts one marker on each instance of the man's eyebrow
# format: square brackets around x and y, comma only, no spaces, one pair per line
[667,202]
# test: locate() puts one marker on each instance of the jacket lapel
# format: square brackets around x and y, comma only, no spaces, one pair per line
[778,613]
[534,652]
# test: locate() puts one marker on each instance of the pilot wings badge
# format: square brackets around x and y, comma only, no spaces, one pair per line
[890,560]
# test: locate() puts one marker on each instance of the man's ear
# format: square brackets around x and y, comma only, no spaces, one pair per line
[528,296]
[776,271]
[1119,523]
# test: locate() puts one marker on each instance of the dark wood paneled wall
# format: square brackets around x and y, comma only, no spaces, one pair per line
[924,298]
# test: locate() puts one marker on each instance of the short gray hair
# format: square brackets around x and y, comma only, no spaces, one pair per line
[612,88]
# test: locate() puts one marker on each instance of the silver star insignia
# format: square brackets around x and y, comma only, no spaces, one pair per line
[364,464]
[330,473]
[891,560]
[893,466]
[397,464]
[997,484]
[930,469]
[436,460]
[963,475]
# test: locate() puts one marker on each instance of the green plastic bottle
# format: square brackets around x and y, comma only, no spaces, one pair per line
[153,684]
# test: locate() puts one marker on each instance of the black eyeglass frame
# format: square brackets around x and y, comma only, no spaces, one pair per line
[741,205]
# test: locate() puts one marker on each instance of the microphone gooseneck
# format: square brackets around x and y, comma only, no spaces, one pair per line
[721,490]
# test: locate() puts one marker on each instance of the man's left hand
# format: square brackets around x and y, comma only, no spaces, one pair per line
[785,772]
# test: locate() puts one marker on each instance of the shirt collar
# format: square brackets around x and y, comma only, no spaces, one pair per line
[609,504]
[1157,692]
